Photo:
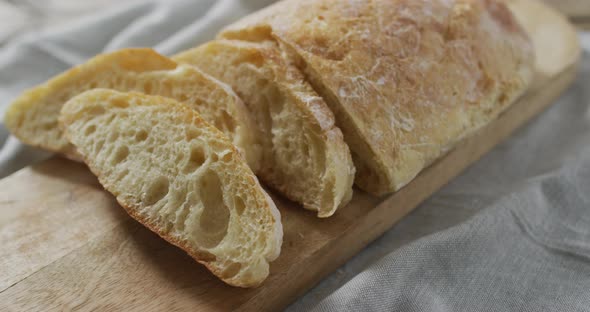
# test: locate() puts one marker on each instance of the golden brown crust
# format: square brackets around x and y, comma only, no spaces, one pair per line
[406,79]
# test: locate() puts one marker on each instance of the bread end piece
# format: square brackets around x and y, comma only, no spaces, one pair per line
[180,177]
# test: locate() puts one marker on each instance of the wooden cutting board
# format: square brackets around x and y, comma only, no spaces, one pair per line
[67,245]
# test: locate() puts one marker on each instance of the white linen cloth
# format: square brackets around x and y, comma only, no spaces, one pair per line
[510,234]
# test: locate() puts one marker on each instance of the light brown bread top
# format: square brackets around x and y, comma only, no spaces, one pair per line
[33,116]
[180,177]
[406,79]
[304,155]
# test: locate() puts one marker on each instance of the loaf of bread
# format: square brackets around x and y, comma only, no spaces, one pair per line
[180,177]
[304,155]
[406,79]
[33,116]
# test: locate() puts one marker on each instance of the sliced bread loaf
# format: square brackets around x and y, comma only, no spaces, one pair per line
[180,177]
[406,79]
[33,116]
[304,155]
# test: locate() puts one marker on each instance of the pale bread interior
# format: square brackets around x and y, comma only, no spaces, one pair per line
[304,155]
[180,177]
[33,116]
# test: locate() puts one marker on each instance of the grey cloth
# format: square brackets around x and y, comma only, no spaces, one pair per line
[510,234]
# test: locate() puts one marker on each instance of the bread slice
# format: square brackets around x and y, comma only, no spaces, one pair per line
[33,116]
[406,79]
[180,177]
[304,155]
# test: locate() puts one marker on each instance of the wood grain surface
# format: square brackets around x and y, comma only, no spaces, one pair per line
[67,245]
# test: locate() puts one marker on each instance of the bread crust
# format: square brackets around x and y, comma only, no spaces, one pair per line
[69,115]
[406,79]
